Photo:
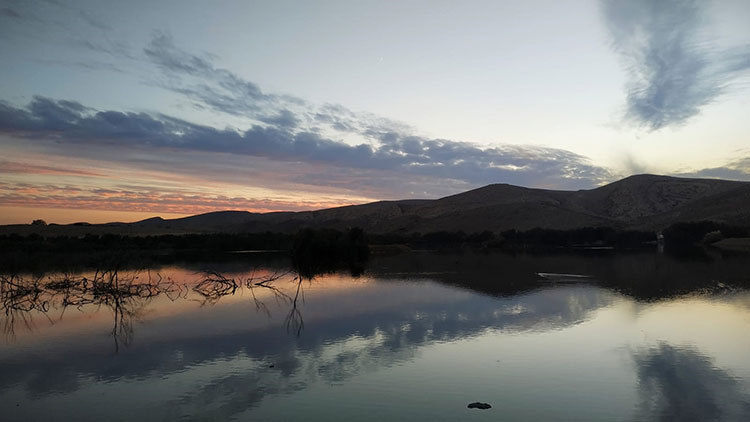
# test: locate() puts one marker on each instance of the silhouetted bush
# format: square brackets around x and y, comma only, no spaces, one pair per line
[93,242]
[513,239]
[583,237]
[691,233]
[435,240]
[319,251]
[313,251]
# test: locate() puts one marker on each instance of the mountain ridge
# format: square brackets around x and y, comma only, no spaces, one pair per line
[644,202]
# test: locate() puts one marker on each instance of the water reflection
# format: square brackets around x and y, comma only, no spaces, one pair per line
[681,384]
[262,362]
[121,293]
[127,294]
[645,276]
[224,344]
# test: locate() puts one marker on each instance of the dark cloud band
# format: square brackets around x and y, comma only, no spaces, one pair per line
[73,123]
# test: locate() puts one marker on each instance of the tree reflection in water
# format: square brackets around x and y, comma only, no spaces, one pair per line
[213,364]
[127,295]
[215,285]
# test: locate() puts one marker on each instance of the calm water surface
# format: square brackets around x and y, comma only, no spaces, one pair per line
[417,337]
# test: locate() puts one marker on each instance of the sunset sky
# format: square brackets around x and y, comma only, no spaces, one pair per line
[130,109]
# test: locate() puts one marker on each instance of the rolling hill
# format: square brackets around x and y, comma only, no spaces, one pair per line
[646,202]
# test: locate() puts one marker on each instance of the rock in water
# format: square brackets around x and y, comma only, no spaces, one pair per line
[479,405]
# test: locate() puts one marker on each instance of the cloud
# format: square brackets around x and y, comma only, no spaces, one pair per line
[284,118]
[10,167]
[291,128]
[738,169]
[71,123]
[64,25]
[208,86]
[446,315]
[124,198]
[10,13]
[672,71]
[286,145]
[94,21]
[218,88]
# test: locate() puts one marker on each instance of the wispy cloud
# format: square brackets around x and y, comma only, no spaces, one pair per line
[673,70]
[64,25]
[218,88]
[209,86]
[10,13]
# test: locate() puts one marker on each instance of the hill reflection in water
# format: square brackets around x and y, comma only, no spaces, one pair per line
[424,333]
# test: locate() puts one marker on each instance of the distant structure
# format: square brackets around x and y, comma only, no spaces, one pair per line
[39,222]
[660,242]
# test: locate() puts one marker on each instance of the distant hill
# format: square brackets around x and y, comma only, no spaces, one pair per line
[646,202]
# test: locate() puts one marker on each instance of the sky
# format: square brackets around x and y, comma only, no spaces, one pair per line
[119,111]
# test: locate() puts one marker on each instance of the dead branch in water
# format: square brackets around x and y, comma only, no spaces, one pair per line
[214,286]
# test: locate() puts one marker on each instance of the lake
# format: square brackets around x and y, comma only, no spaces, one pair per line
[417,336]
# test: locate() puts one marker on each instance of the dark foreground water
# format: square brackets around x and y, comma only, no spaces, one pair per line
[417,337]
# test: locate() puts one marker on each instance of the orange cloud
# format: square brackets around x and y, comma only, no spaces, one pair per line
[176,202]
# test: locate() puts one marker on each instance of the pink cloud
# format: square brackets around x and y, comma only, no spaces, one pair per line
[146,200]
